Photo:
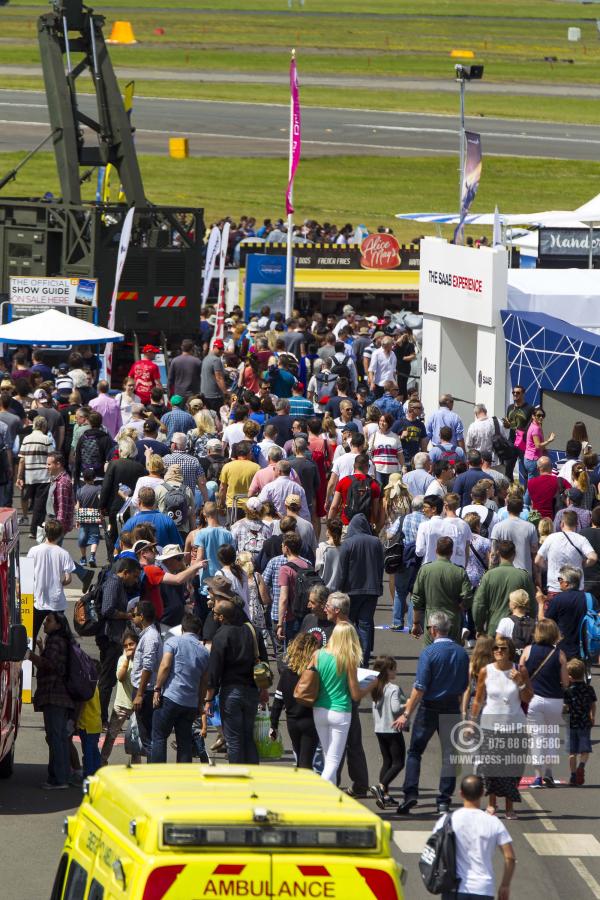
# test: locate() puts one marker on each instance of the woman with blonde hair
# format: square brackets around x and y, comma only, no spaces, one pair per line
[519,625]
[198,437]
[581,480]
[258,595]
[546,666]
[328,428]
[300,722]
[338,687]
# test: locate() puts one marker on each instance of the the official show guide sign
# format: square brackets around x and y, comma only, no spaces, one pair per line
[28,290]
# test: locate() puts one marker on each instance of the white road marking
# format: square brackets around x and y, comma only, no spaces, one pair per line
[535,806]
[411,841]
[587,876]
[496,134]
[244,137]
[564,844]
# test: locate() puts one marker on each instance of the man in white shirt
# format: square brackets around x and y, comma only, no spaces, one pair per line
[442,476]
[479,495]
[481,431]
[565,548]
[348,317]
[382,367]
[477,835]
[436,527]
[52,567]
[234,432]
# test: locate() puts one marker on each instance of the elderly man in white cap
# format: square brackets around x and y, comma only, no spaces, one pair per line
[174,596]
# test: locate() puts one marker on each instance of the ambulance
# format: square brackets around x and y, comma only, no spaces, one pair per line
[13,640]
[201,832]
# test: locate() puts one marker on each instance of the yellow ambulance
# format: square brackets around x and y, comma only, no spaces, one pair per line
[199,832]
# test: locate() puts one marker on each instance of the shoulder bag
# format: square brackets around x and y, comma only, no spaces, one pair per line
[307,688]
[263,677]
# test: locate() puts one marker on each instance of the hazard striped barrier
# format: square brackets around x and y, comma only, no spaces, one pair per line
[128,295]
[170,301]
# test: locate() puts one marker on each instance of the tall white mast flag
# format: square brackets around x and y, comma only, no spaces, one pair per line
[121,257]
[219,331]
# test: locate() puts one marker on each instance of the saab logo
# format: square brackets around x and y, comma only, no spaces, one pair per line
[242,887]
[380,251]
[483,379]
[428,366]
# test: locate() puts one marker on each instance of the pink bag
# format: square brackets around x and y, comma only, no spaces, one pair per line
[520,440]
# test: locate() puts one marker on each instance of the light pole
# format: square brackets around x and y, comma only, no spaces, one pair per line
[464,74]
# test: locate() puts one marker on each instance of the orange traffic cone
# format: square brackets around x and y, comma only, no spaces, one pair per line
[122,33]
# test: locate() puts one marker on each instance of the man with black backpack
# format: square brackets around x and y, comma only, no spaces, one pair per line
[476,835]
[296,579]
[357,493]
[360,575]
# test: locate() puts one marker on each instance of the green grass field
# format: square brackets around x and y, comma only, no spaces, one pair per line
[357,38]
[368,190]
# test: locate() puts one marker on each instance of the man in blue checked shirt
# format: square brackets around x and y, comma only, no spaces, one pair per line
[442,678]
[299,405]
[177,419]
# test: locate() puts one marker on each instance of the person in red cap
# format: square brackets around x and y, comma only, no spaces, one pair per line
[145,373]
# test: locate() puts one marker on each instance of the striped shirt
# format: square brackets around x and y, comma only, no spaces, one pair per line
[34,451]
[271,579]
[384,452]
[301,407]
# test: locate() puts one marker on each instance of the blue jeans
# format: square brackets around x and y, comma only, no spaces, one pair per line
[91,752]
[362,614]
[167,717]
[88,536]
[531,468]
[55,725]
[239,705]
[440,717]
[401,607]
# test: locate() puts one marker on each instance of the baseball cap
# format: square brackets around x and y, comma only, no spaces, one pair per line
[293,500]
[40,395]
[170,552]
[63,367]
[387,314]
[575,495]
[253,326]
[299,386]
[177,400]
[373,319]
[348,309]
[350,426]
[363,330]
[254,503]
[150,348]
[218,343]
[142,545]
[378,334]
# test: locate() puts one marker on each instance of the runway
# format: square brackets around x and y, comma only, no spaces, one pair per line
[218,128]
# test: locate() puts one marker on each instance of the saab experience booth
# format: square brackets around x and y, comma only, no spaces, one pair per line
[487,327]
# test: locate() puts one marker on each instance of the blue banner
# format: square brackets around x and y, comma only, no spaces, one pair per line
[265,284]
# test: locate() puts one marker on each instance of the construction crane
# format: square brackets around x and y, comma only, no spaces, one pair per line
[70,237]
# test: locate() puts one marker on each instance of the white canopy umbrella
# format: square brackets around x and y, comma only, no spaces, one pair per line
[52,327]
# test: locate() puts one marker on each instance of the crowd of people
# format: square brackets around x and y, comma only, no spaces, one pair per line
[250,521]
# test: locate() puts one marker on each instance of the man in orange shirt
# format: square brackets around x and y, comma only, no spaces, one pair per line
[145,373]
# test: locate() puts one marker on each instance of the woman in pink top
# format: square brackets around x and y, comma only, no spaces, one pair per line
[535,444]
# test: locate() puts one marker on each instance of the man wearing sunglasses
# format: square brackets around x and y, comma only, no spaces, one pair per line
[518,416]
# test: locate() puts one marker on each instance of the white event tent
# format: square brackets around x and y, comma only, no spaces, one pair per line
[51,328]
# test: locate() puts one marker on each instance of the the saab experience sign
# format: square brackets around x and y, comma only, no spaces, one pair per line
[462,283]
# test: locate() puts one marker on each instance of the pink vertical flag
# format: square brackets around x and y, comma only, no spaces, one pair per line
[296,139]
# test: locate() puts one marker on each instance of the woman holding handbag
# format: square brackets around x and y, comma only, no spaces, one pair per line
[546,666]
[338,685]
[300,721]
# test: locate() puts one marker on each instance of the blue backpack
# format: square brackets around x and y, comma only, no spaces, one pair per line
[589,631]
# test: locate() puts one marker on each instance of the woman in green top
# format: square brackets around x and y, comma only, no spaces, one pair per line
[337,667]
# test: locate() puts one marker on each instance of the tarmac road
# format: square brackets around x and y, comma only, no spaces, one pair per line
[247,129]
[556,836]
